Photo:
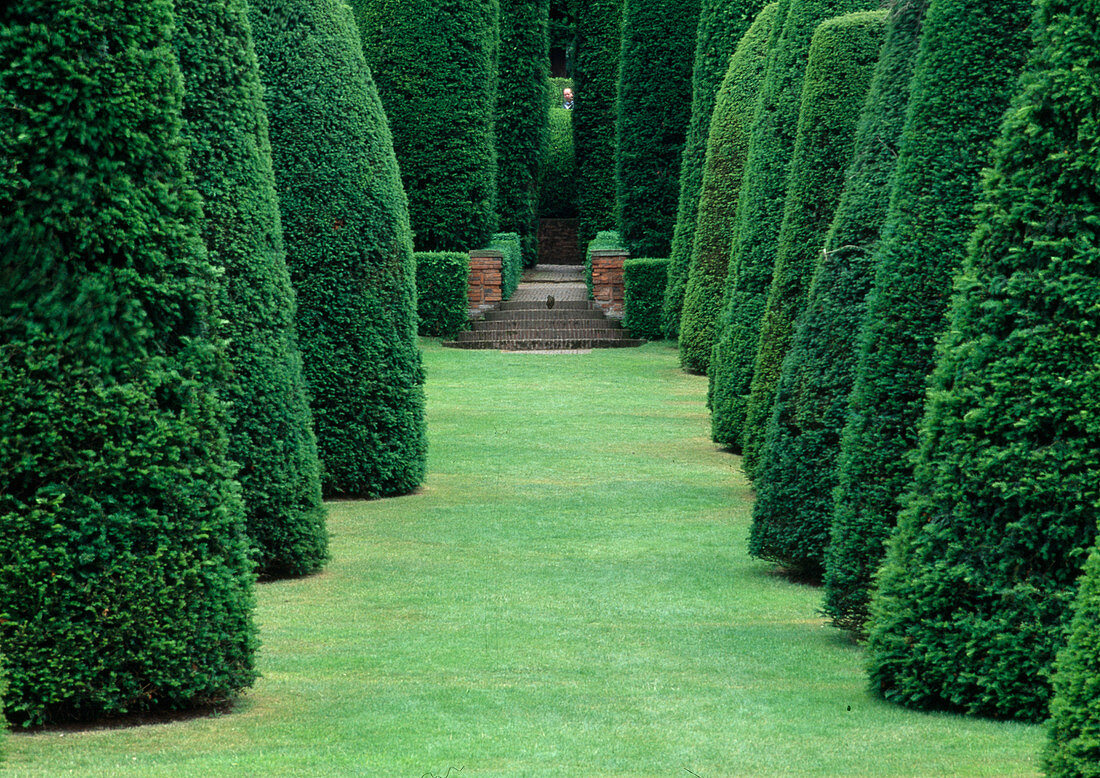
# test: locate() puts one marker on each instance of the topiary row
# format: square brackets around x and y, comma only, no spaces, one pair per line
[349,252]
[521,117]
[842,55]
[974,598]
[125,583]
[727,147]
[271,435]
[722,23]
[442,281]
[596,87]
[654,108]
[970,56]
[644,283]
[435,67]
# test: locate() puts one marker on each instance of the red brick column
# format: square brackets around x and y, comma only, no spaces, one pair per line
[485,280]
[607,280]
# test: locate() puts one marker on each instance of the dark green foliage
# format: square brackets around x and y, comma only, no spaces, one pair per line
[1073,747]
[558,172]
[713,235]
[760,209]
[654,108]
[842,58]
[970,56]
[271,436]
[435,67]
[521,117]
[974,597]
[722,24]
[605,239]
[644,283]
[596,84]
[814,392]
[346,229]
[125,583]
[441,292]
[511,268]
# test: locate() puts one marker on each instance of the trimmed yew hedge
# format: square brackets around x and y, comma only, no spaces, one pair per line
[644,282]
[654,108]
[511,267]
[558,174]
[760,208]
[435,67]
[969,59]
[974,598]
[842,57]
[713,235]
[125,583]
[596,92]
[346,228]
[442,292]
[271,436]
[722,24]
[521,117]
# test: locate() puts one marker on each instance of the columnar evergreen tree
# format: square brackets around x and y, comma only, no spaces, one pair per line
[799,466]
[970,56]
[271,436]
[596,87]
[125,583]
[974,598]
[435,68]
[722,24]
[760,209]
[712,237]
[521,117]
[654,108]
[842,58]
[349,252]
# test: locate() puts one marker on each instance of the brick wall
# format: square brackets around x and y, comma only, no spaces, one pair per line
[485,280]
[607,280]
[558,242]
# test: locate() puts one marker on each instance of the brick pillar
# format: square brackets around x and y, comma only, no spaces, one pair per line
[607,280]
[485,280]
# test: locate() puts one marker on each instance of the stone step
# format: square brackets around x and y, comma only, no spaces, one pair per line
[545,325]
[528,333]
[545,344]
[563,314]
[540,305]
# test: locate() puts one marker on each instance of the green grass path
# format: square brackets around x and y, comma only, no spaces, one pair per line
[568,595]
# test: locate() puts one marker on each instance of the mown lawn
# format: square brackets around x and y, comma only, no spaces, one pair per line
[568,595]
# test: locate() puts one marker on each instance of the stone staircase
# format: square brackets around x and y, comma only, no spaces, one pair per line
[526,323]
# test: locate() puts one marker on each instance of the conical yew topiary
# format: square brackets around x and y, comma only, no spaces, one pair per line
[722,24]
[271,436]
[435,69]
[760,209]
[842,57]
[974,598]
[654,108]
[727,146]
[970,56]
[125,584]
[345,224]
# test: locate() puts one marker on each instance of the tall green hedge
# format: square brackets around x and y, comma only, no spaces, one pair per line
[974,598]
[654,108]
[522,116]
[442,281]
[271,436]
[842,57]
[970,56]
[125,583]
[435,67]
[558,173]
[722,24]
[760,209]
[644,282]
[346,228]
[727,147]
[596,88]
[511,266]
